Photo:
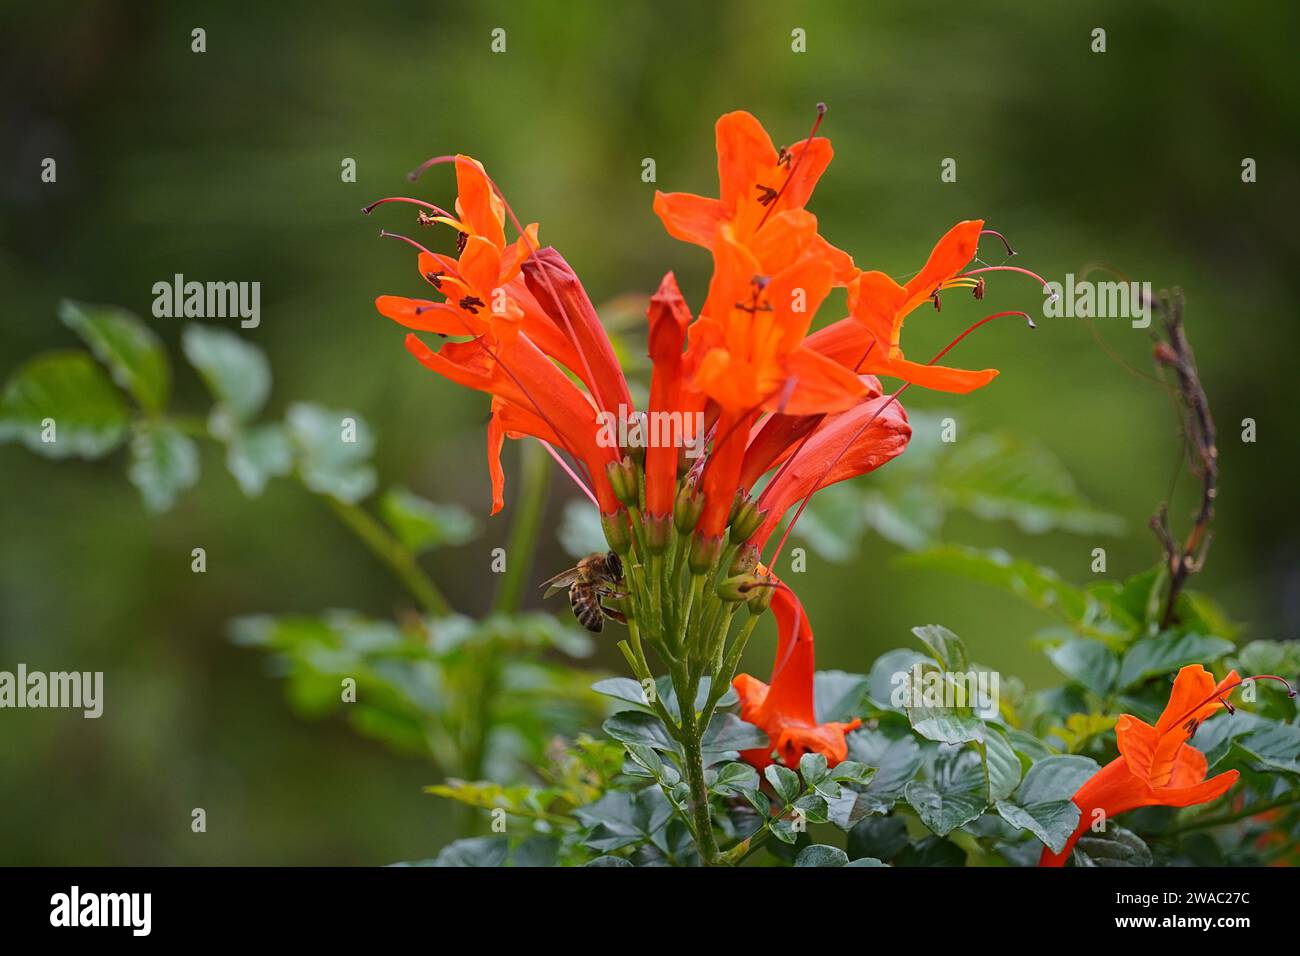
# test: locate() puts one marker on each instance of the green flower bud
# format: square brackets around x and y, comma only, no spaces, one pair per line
[617,532]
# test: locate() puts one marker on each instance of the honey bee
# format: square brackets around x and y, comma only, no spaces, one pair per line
[590,583]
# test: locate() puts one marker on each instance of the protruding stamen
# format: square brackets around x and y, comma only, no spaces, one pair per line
[821,112]
[994,232]
[436,210]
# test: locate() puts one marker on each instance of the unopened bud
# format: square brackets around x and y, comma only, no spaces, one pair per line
[658,533]
[624,478]
[617,532]
[688,508]
[745,519]
[704,554]
[761,593]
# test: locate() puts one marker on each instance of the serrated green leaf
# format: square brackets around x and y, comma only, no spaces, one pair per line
[164,462]
[421,524]
[784,781]
[1041,587]
[1166,653]
[1055,778]
[821,855]
[1090,663]
[1052,821]
[333,451]
[89,417]
[258,454]
[943,806]
[1115,847]
[945,646]
[133,354]
[235,371]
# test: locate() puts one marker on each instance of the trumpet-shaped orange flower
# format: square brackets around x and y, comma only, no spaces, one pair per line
[1156,765]
[881,305]
[785,709]
[841,447]
[747,355]
[667,316]
[762,192]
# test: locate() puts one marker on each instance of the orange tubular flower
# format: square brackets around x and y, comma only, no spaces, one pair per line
[881,305]
[748,356]
[785,709]
[668,315]
[762,195]
[1156,766]
[842,446]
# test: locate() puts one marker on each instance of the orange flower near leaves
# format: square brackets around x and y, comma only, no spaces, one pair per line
[762,192]
[881,305]
[785,709]
[1156,765]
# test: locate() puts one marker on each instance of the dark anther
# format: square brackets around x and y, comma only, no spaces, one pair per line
[934,297]
[979,289]
[422,218]
[435,278]
[784,157]
[471,304]
[766,195]
[461,239]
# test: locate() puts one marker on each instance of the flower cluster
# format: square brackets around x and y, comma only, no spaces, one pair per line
[786,411]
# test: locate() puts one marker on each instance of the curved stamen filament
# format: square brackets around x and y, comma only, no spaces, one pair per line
[994,232]
[385,234]
[1025,272]
[436,210]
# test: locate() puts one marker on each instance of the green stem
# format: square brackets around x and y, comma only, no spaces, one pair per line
[393,553]
[526,527]
[693,761]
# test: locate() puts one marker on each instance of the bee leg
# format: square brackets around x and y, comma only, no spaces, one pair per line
[614,613]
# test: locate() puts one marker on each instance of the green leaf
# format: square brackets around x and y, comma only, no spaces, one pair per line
[945,646]
[1041,587]
[932,851]
[896,761]
[883,680]
[838,696]
[164,462]
[852,772]
[999,476]
[333,451]
[87,414]
[784,781]
[1115,847]
[258,454]
[235,371]
[945,805]
[879,837]
[133,353]
[1055,778]
[1052,821]
[821,855]
[1166,653]
[813,769]
[727,735]
[421,524]
[1090,663]
[639,727]
[734,778]
[1001,765]
[934,718]
[474,851]
[866,861]
[1270,743]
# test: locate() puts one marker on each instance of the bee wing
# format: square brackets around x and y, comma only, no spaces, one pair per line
[561,581]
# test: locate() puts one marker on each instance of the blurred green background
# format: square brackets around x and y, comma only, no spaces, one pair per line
[225,166]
